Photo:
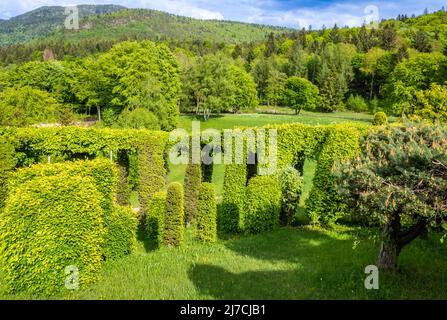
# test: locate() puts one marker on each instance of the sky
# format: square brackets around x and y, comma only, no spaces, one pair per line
[288,13]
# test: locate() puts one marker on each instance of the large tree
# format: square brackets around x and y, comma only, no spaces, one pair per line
[399,179]
[300,94]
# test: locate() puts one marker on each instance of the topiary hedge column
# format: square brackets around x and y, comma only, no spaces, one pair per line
[207,215]
[262,205]
[174,220]
[7,163]
[155,218]
[193,178]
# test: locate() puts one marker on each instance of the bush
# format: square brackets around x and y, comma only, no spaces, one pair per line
[7,163]
[155,218]
[232,207]
[139,118]
[262,205]
[380,119]
[291,184]
[193,179]
[121,234]
[47,225]
[356,103]
[207,215]
[174,220]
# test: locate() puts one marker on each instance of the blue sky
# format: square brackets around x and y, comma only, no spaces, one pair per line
[290,13]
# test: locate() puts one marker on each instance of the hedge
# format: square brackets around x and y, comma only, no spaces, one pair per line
[102,171]
[33,145]
[155,218]
[7,163]
[121,232]
[193,179]
[47,225]
[174,220]
[262,205]
[207,215]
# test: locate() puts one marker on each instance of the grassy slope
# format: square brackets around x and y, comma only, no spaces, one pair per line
[283,264]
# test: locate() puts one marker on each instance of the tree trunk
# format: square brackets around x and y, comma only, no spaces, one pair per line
[99,112]
[390,248]
[372,86]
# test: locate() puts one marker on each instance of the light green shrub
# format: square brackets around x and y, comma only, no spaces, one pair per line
[7,163]
[174,220]
[262,205]
[155,218]
[207,215]
[291,183]
[121,232]
[380,119]
[49,224]
[193,179]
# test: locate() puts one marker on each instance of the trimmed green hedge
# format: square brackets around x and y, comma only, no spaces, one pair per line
[193,179]
[380,119]
[174,220]
[121,232]
[262,205]
[7,163]
[49,224]
[207,215]
[102,171]
[155,218]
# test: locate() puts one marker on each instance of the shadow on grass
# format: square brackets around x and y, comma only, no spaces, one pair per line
[314,265]
[148,244]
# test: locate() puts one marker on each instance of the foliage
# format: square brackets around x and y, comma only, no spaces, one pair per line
[155,218]
[139,118]
[193,179]
[431,104]
[48,225]
[231,210]
[121,235]
[7,163]
[262,204]
[380,119]
[206,213]
[291,183]
[356,103]
[300,94]
[23,106]
[400,179]
[174,220]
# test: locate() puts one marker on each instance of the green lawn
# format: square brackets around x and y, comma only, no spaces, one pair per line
[230,121]
[287,263]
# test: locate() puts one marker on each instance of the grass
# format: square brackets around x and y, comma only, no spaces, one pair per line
[287,263]
[230,121]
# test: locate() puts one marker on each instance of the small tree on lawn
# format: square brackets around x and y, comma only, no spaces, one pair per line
[300,93]
[400,178]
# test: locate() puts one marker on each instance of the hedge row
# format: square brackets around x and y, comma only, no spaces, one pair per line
[262,205]
[51,197]
[174,219]
[193,179]
[296,142]
[207,215]
[48,225]
[32,145]
[155,218]
[7,163]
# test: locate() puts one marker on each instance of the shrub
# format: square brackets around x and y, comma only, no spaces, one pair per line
[174,220]
[155,218]
[291,184]
[207,215]
[356,103]
[121,235]
[232,207]
[193,178]
[7,163]
[47,225]
[380,119]
[139,118]
[262,205]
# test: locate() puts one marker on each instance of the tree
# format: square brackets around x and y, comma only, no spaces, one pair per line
[271,45]
[421,41]
[275,86]
[431,104]
[23,106]
[388,37]
[399,179]
[245,94]
[370,63]
[300,94]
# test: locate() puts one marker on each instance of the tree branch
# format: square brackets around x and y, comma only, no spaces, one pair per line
[412,233]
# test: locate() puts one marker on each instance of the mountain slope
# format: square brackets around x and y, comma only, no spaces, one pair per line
[48,23]
[43,21]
